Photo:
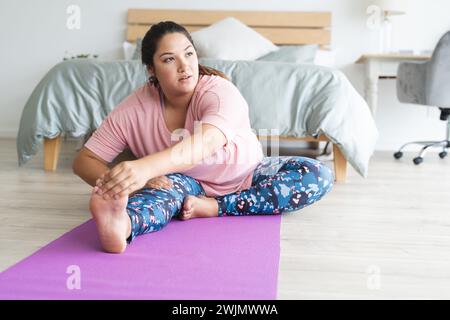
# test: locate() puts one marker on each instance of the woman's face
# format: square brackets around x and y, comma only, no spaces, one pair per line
[175,64]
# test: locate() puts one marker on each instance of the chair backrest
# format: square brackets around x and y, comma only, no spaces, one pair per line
[438,74]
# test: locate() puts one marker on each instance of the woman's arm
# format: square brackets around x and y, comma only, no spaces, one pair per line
[187,153]
[130,176]
[88,166]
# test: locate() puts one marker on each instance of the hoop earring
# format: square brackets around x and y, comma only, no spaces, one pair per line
[153,80]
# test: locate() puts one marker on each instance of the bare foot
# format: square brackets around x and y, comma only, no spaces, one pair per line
[113,222]
[199,207]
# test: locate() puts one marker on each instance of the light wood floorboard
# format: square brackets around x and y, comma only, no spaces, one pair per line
[384,237]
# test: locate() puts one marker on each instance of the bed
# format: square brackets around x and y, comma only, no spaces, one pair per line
[75,96]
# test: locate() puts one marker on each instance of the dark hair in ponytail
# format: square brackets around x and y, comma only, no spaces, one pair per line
[154,35]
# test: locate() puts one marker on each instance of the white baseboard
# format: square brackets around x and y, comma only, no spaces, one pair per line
[8,133]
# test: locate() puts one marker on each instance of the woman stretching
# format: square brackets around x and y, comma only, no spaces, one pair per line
[197,156]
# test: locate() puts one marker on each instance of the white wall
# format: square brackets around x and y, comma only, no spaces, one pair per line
[34,37]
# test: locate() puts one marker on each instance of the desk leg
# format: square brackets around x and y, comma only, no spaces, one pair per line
[371,85]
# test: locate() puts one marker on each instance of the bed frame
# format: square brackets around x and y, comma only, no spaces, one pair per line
[282,28]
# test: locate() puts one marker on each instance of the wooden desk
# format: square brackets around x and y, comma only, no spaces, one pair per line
[382,66]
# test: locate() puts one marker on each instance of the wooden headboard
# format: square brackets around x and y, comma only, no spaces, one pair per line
[282,28]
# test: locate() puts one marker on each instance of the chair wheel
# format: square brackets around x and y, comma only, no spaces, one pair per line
[443,154]
[418,160]
[398,155]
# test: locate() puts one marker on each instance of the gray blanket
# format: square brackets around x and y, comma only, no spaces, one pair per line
[298,100]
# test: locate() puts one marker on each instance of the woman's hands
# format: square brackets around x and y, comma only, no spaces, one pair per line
[125,178]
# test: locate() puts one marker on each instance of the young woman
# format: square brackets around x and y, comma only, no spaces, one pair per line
[196,154]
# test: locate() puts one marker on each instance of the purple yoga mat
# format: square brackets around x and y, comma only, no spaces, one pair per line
[209,258]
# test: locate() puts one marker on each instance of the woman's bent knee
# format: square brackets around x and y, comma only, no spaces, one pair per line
[325,178]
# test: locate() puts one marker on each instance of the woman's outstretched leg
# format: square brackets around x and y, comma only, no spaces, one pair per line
[280,184]
[120,221]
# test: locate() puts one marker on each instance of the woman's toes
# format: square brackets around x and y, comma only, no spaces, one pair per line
[186,214]
[187,205]
[188,208]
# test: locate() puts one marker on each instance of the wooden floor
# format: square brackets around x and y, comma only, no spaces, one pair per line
[387,236]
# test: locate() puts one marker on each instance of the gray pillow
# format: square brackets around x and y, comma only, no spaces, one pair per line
[138,51]
[293,54]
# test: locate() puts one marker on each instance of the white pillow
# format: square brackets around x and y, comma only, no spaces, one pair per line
[128,50]
[132,51]
[230,39]
[326,58]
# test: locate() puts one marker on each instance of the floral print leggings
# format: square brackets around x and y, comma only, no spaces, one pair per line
[279,184]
